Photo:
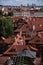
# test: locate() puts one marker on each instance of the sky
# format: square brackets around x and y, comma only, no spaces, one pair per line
[19,2]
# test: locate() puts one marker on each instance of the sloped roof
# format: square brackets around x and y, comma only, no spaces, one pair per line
[3,60]
[38,39]
[8,40]
[24,28]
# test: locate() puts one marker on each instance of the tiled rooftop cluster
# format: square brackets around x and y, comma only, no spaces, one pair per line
[28,32]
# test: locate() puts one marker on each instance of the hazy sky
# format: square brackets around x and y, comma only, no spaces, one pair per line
[19,2]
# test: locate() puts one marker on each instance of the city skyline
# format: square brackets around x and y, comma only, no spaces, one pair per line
[19,2]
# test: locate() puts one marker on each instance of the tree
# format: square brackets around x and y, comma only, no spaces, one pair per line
[6,27]
[0,13]
[10,13]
